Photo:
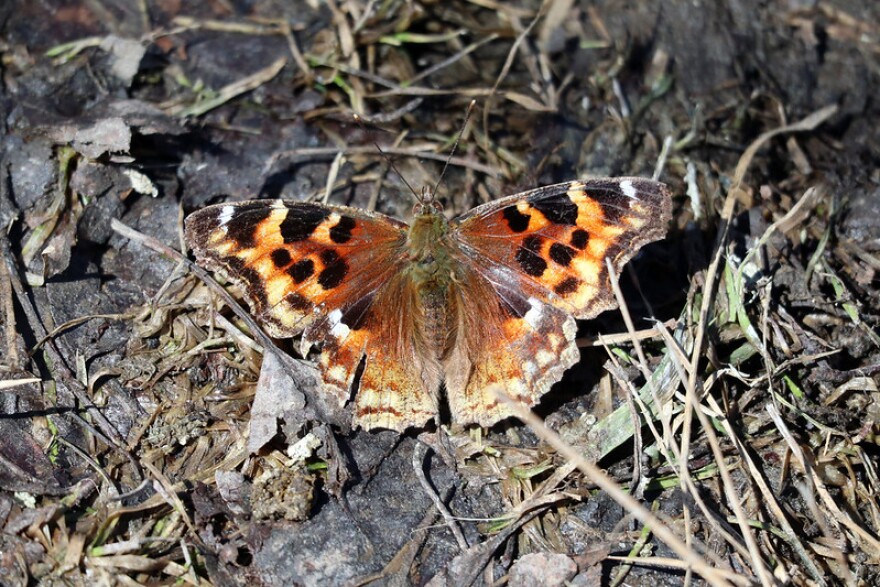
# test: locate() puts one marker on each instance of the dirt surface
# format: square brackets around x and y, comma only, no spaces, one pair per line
[134,450]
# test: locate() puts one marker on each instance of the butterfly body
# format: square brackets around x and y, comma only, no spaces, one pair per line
[431,275]
[482,306]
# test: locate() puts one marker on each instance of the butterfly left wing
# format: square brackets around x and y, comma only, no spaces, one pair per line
[332,274]
[538,260]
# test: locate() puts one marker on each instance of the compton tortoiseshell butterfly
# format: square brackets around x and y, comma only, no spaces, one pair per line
[486,302]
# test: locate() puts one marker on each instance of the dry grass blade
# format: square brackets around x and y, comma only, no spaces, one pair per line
[418,151]
[511,95]
[243,28]
[792,218]
[504,8]
[295,52]
[807,124]
[450,60]
[613,339]
[13,383]
[227,93]
[418,458]
[76,322]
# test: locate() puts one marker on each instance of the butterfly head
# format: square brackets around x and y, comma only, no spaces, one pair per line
[426,203]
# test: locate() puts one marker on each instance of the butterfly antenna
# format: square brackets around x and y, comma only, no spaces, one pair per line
[388,159]
[467,117]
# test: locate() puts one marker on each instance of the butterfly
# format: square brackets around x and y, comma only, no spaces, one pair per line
[410,314]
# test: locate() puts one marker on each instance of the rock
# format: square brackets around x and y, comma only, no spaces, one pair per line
[544,569]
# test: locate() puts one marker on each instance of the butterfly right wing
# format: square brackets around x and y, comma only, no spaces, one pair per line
[297,261]
[557,239]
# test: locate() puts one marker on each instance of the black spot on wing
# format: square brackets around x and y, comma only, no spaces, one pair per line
[516,220]
[341,232]
[297,301]
[561,254]
[332,276]
[580,238]
[242,226]
[529,258]
[280,258]
[329,257]
[567,286]
[557,208]
[335,269]
[301,270]
[301,222]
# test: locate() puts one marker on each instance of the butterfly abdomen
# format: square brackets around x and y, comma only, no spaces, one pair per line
[430,272]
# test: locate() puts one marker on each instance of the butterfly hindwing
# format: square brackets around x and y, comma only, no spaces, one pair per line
[398,383]
[512,343]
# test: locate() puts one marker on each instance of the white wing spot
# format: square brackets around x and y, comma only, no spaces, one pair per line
[533,316]
[226,215]
[628,189]
[338,330]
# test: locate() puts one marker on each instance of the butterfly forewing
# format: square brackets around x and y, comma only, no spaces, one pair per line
[558,237]
[297,261]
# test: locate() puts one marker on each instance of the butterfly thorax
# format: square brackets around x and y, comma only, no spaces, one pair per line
[430,271]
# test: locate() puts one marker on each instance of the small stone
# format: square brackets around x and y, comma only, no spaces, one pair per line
[545,569]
